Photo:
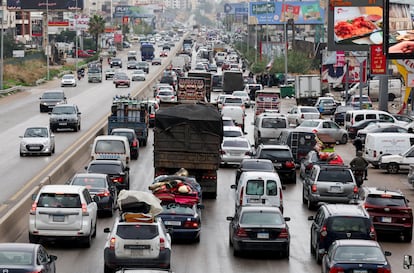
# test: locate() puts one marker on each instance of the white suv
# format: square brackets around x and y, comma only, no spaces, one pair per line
[132,245]
[63,212]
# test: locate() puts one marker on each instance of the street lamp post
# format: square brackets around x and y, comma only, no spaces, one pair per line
[47,39]
[76,37]
[1,52]
[285,40]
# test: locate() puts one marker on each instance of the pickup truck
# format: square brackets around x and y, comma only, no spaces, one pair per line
[394,163]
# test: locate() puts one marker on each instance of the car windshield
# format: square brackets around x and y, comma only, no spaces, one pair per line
[340,176]
[51,95]
[274,123]
[59,200]
[359,254]
[63,110]
[14,257]
[110,146]
[177,208]
[89,182]
[261,218]
[105,168]
[129,135]
[235,143]
[36,132]
[386,200]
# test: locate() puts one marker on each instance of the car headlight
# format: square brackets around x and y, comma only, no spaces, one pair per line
[23,143]
[45,142]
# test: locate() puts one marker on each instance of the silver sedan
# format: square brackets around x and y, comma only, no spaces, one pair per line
[325,127]
[235,149]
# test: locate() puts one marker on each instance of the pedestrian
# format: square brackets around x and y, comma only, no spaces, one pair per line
[358,145]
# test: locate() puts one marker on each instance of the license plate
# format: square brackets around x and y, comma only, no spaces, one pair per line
[58,218]
[263,235]
[63,123]
[253,200]
[386,219]
[335,189]
[235,154]
[35,148]
[277,165]
[360,271]
[172,223]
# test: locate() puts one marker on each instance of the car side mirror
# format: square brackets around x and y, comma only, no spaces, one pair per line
[34,196]
[107,230]
[126,168]
[387,253]
[49,113]
[229,218]
[233,187]
[311,218]
[283,187]
[52,258]
[286,219]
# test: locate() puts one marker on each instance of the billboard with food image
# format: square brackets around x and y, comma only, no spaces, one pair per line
[399,29]
[354,25]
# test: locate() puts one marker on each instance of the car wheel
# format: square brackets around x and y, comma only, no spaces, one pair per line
[21,154]
[292,179]
[312,250]
[53,149]
[391,97]
[310,204]
[230,242]
[75,128]
[286,253]
[393,168]
[107,269]
[236,253]
[86,241]
[318,257]
[116,86]
[94,231]
[344,139]
[303,196]
[197,239]
[408,236]
[33,239]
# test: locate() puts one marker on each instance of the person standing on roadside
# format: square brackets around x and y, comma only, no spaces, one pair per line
[358,145]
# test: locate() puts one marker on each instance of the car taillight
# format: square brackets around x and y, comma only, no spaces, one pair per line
[309,166]
[314,131]
[283,233]
[372,233]
[85,210]
[241,196]
[135,143]
[152,115]
[241,232]
[222,152]
[33,209]
[162,243]
[324,232]
[337,269]
[119,179]
[112,243]
[191,224]
[355,189]
[314,188]
[290,164]
[383,270]
[104,193]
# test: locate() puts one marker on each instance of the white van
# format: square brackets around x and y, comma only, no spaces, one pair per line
[395,88]
[268,126]
[259,188]
[236,113]
[353,116]
[111,147]
[379,144]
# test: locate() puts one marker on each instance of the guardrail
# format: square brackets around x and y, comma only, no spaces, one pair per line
[15,220]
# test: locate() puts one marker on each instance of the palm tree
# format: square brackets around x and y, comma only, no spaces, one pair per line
[96,27]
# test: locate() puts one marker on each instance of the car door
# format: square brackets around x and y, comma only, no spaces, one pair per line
[43,259]
[292,115]
[316,228]
[92,207]
[407,160]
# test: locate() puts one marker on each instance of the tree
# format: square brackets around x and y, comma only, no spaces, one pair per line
[96,27]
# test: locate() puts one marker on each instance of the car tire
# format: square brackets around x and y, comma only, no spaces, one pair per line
[286,253]
[236,253]
[107,269]
[393,168]
[292,179]
[116,86]
[408,236]
[197,239]
[344,139]
[53,150]
[21,154]
[303,196]
[318,258]
[75,128]
[310,204]
[33,239]
[94,230]
[86,241]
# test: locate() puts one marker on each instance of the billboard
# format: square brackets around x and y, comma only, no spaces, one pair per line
[274,13]
[399,29]
[142,11]
[236,8]
[354,25]
[42,4]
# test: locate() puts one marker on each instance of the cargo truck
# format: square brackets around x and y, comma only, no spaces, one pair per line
[307,89]
[208,81]
[232,81]
[129,113]
[189,136]
[94,72]
[191,89]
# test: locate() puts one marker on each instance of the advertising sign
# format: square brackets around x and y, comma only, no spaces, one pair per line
[79,22]
[399,28]
[378,60]
[354,25]
[236,8]
[142,11]
[274,13]
[42,4]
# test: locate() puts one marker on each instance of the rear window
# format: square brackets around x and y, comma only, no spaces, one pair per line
[256,187]
[257,166]
[89,182]
[110,146]
[128,135]
[364,254]
[272,154]
[105,168]
[137,231]
[232,134]
[309,110]
[233,100]
[349,224]
[235,143]
[59,200]
[177,208]
[16,257]
[274,123]
[384,200]
[261,218]
[342,176]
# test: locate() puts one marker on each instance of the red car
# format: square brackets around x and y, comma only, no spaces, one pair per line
[83,54]
[225,66]
[122,81]
[164,53]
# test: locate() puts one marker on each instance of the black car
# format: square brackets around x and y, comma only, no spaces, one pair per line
[282,159]
[353,130]
[143,66]
[132,140]
[50,99]
[26,258]
[65,116]
[98,184]
[115,169]
[338,221]
[254,165]
[116,62]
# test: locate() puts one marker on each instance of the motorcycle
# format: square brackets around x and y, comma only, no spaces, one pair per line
[359,177]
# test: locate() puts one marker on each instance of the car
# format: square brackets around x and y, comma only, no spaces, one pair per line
[138,75]
[245,97]
[389,211]
[298,114]
[143,66]
[156,61]
[65,116]
[165,95]
[404,118]
[162,86]
[232,131]
[233,101]
[330,184]
[50,99]
[268,126]
[36,141]
[338,221]
[356,256]
[100,185]
[183,220]
[109,73]
[259,228]
[220,100]
[132,139]
[212,67]
[63,212]
[26,258]
[152,107]
[325,127]
[115,62]
[355,101]
[282,159]
[122,81]
[234,150]
[132,64]
[200,67]
[397,162]
[115,169]
[326,105]
[169,77]
[68,80]
[339,115]
[254,165]
[164,53]
[353,130]
[383,127]
[118,74]
[125,44]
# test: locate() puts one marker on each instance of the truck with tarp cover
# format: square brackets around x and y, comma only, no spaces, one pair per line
[189,136]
